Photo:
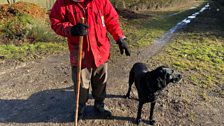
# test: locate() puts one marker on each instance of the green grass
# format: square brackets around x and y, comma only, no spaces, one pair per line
[142,32]
[198,51]
[26,52]
[198,56]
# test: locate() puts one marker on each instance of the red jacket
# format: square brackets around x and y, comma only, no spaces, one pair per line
[100,16]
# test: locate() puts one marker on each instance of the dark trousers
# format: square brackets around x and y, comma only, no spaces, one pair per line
[94,77]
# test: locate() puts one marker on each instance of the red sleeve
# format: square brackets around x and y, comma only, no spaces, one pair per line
[59,22]
[112,21]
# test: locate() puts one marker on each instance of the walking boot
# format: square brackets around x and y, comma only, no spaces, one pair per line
[99,107]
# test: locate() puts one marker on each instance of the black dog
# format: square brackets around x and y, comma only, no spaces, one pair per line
[148,84]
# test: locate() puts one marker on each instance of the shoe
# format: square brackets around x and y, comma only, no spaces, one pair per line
[99,107]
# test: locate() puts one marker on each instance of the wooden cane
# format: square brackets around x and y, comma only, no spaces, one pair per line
[78,76]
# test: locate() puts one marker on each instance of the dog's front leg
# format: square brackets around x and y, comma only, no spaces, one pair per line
[138,119]
[128,93]
[151,121]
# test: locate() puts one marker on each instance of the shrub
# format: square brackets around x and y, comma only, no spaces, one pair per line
[16,29]
[24,28]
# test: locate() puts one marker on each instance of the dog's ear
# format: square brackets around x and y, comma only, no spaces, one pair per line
[161,83]
[167,74]
[162,77]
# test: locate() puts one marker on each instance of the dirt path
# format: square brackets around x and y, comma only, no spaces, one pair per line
[40,93]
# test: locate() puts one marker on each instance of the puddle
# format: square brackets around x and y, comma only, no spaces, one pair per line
[192,17]
[161,42]
[188,20]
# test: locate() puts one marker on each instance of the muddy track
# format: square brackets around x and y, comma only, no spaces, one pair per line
[41,93]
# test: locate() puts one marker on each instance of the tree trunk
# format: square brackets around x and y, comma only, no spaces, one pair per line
[124,4]
[8,1]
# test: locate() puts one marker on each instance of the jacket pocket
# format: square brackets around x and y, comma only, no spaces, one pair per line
[100,27]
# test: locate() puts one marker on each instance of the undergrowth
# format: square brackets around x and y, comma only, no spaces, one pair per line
[26,29]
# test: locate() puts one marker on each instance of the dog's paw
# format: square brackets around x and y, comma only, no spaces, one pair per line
[137,121]
[152,122]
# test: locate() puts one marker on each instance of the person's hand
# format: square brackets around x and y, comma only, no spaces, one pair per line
[123,46]
[79,30]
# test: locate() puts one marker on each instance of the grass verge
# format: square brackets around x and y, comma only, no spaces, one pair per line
[197,51]
[144,31]
[27,51]
[198,55]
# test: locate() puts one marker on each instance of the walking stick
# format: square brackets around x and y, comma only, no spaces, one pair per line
[78,76]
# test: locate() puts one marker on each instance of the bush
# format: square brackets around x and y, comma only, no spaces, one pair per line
[24,28]
[25,22]
[16,29]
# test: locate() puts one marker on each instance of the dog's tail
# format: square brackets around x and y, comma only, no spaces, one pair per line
[130,82]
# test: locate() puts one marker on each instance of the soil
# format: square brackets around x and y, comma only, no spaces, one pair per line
[9,11]
[40,93]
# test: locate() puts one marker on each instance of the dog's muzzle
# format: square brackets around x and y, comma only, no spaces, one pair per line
[177,78]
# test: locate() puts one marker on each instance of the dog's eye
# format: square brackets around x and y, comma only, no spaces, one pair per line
[169,77]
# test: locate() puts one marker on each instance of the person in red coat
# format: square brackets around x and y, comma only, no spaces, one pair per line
[100,18]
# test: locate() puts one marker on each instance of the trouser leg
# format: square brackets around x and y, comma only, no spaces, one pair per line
[84,85]
[99,81]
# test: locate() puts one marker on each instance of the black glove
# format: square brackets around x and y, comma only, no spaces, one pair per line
[123,46]
[79,29]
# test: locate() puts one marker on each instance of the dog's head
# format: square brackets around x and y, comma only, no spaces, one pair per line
[164,76]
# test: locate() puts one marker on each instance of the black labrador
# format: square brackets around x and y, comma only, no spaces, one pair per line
[149,84]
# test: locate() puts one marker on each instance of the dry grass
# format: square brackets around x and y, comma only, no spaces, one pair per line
[151,4]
